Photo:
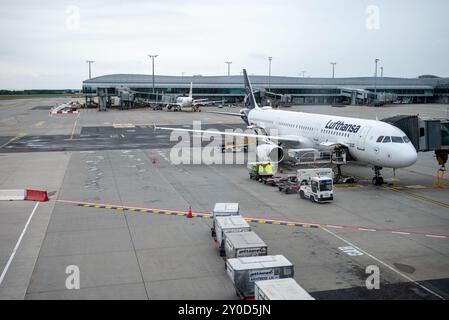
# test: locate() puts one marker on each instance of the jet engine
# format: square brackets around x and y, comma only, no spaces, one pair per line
[270,153]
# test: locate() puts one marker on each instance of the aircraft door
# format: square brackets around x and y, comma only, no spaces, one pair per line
[316,135]
[361,138]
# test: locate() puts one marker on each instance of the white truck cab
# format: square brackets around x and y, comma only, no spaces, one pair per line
[316,184]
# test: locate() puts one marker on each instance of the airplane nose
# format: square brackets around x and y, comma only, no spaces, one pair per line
[410,156]
[402,157]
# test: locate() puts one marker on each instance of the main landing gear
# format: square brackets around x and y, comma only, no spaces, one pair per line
[378,180]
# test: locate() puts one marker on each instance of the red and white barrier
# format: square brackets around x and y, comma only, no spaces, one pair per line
[36,195]
[22,194]
[12,195]
[64,111]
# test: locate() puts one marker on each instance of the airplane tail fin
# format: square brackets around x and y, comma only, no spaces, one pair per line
[250,102]
[191,90]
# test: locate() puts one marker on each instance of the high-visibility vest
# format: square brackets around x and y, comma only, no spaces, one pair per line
[260,169]
[269,169]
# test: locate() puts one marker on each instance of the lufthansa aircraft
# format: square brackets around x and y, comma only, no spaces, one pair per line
[371,142]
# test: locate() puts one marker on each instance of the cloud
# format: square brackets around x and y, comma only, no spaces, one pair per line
[46,43]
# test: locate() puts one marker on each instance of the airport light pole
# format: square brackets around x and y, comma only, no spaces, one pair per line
[333,69]
[152,58]
[269,73]
[90,62]
[303,73]
[381,72]
[375,77]
[229,67]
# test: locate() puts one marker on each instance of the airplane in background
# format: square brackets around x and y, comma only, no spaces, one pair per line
[189,103]
[370,142]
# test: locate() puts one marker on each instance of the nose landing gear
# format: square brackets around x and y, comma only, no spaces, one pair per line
[377,180]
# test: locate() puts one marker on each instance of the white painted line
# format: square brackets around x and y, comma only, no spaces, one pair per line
[351,251]
[384,264]
[74,126]
[2,277]
[435,236]
[336,227]
[398,232]
[364,229]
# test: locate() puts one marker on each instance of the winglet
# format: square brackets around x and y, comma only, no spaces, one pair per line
[191,90]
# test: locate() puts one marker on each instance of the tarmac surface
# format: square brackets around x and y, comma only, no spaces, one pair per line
[116,168]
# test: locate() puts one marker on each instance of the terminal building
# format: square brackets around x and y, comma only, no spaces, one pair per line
[360,90]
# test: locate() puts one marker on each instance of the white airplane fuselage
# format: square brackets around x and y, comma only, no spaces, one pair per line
[360,136]
[184,102]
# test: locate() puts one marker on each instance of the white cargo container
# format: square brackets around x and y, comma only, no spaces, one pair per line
[244,272]
[244,244]
[231,224]
[224,210]
[280,289]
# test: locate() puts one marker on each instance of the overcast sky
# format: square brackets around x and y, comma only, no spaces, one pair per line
[44,44]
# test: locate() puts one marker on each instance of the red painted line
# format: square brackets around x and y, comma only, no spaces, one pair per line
[358,228]
[332,226]
[321,225]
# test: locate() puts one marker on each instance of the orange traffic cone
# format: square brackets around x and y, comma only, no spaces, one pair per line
[189,214]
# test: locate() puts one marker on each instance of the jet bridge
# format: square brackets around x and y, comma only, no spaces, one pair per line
[426,135]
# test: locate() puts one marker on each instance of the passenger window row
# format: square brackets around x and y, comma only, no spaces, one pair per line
[285,124]
[336,133]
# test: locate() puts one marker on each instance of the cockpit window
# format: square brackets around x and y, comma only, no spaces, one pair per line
[387,140]
[380,139]
[397,140]
[406,139]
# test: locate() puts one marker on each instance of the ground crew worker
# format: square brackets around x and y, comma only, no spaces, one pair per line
[260,169]
[269,169]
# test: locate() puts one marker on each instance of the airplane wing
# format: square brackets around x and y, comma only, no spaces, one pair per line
[226,113]
[205,102]
[295,139]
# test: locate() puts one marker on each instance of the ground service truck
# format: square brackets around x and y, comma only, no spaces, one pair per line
[316,184]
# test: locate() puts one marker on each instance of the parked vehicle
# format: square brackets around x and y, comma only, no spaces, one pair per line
[289,187]
[316,184]
[277,181]
[261,171]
